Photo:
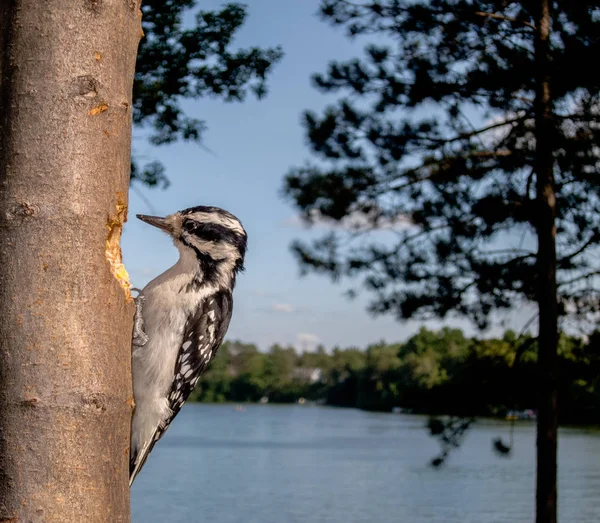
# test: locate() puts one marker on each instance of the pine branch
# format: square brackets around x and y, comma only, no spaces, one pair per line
[593,239]
[437,163]
[476,132]
[505,18]
[586,276]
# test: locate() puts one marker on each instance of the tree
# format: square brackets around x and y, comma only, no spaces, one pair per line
[431,355]
[177,63]
[345,372]
[279,366]
[66,74]
[465,152]
[248,368]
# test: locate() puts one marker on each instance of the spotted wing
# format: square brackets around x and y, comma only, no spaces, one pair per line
[202,337]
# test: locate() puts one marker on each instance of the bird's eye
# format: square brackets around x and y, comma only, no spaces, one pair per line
[204,231]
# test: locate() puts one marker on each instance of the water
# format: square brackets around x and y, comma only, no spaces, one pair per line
[287,464]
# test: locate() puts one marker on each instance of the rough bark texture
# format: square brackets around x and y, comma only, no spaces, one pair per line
[65,321]
[546,495]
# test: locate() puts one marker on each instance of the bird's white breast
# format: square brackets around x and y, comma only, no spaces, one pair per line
[167,306]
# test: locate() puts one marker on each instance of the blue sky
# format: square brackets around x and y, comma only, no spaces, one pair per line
[247,150]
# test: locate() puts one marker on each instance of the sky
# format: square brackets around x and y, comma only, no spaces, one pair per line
[246,152]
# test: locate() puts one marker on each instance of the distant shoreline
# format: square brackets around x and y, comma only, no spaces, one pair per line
[521,422]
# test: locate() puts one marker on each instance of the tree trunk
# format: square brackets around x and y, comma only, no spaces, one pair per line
[546,492]
[65,310]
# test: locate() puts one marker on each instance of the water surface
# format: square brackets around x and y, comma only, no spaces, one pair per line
[280,464]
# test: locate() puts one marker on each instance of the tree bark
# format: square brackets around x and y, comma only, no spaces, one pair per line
[547,428]
[65,309]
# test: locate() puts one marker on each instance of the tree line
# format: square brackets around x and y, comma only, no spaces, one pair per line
[433,372]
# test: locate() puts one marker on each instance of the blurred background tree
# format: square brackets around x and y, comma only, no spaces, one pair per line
[179,60]
[439,372]
[465,148]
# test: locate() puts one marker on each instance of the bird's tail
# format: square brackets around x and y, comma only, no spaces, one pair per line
[137,459]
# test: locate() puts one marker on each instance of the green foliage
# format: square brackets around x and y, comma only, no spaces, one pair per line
[279,367]
[432,143]
[177,63]
[434,372]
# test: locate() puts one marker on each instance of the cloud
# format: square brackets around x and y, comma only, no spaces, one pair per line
[283,307]
[296,222]
[263,293]
[356,221]
[307,341]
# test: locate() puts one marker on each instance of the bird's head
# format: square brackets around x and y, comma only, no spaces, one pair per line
[215,236]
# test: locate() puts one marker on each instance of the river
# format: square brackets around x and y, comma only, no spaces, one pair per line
[287,464]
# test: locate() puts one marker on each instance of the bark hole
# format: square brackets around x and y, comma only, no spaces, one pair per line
[22,210]
[86,86]
[94,5]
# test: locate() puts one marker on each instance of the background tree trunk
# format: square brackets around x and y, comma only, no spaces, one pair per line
[65,321]
[546,494]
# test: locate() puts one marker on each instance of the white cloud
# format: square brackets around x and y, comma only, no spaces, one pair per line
[283,307]
[263,293]
[295,222]
[356,221]
[307,341]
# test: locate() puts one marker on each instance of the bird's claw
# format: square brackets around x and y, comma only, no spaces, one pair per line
[140,338]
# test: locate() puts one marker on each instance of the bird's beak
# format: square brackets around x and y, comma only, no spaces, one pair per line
[156,221]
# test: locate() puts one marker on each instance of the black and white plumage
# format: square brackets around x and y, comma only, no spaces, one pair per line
[182,317]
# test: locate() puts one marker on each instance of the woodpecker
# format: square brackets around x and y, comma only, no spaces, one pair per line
[181,319]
